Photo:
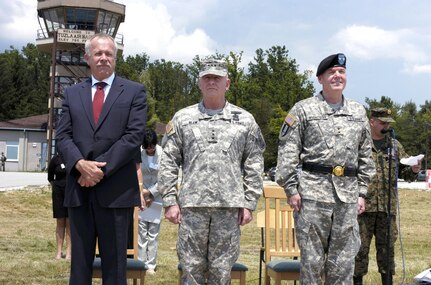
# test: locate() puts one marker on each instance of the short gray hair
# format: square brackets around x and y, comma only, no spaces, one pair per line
[102,36]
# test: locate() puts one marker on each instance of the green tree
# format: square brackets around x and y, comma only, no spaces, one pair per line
[407,129]
[424,131]
[133,66]
[25,83]
[7,84]
[168,85]
[385,102]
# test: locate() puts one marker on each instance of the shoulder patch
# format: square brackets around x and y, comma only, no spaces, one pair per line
[170,128]
[284,130]
[290,119]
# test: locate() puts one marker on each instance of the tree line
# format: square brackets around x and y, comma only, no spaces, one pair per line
[268,87]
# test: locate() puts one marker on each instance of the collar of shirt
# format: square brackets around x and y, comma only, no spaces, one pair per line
[224,112]
[108,81]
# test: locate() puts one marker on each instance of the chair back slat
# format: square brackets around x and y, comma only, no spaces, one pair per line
[280,239]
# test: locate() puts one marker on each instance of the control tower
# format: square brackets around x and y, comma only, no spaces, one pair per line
[65,25]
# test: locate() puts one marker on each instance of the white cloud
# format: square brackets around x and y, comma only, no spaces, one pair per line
[416,69]
[19,21]
[150,29]
[370,43]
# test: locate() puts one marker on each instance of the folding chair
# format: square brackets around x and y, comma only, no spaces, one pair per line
[281,249]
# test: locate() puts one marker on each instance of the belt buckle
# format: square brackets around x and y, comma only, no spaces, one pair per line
[338,170]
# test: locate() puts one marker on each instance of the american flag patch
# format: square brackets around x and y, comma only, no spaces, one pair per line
[169,128]
[290,120]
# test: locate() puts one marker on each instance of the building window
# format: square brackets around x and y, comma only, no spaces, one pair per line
[12,151]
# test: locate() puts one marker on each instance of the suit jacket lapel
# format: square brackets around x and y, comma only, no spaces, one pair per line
[87,102]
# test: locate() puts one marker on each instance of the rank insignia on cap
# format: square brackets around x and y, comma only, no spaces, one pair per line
[170,128]
[341,59]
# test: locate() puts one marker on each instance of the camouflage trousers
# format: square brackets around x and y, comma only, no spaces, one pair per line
[328,237]
[208,245]
[375,224]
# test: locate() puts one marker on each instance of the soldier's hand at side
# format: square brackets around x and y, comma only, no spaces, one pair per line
[245,216]
[173,214]
[361,205]
[295,202]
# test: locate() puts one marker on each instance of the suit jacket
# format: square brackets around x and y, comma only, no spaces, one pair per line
[115,140]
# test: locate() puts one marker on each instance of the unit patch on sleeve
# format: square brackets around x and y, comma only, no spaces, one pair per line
[170,128]
[289,121]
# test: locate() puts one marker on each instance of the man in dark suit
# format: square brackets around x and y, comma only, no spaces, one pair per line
[100,146]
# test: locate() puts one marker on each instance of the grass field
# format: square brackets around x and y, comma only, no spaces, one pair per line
[27,242]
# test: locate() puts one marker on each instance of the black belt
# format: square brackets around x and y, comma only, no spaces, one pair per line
[337,170]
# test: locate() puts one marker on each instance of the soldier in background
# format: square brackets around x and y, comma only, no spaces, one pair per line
[3,161]
[219,147]
[328,136]
[374,221]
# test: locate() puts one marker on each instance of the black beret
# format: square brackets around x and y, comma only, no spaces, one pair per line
[338,59]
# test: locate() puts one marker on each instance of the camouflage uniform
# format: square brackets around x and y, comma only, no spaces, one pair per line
[222,164]
[374,221]
[327,228]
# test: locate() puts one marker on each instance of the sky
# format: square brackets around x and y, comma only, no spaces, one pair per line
[387,43]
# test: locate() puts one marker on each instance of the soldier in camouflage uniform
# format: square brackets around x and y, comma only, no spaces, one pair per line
[219,147]
[374,221]
[325,165]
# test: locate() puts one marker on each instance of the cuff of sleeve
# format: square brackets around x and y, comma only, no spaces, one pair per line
[169,201]
[363,192]
[153,190]
[291,191]
[251,205]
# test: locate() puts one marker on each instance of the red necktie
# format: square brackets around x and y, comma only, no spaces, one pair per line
[98,99]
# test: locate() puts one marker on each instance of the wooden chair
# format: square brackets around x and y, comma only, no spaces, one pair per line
[136,269]
[238,273]
[281,249]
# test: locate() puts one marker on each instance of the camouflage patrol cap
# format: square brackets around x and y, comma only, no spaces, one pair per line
[383,114]
[338,59]
[213,66]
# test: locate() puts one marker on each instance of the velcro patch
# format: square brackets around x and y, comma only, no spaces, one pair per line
[290,119]
[170,128]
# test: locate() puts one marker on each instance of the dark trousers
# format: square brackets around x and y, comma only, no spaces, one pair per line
[110,226]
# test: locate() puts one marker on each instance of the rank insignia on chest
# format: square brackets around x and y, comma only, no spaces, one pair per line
[235,115]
